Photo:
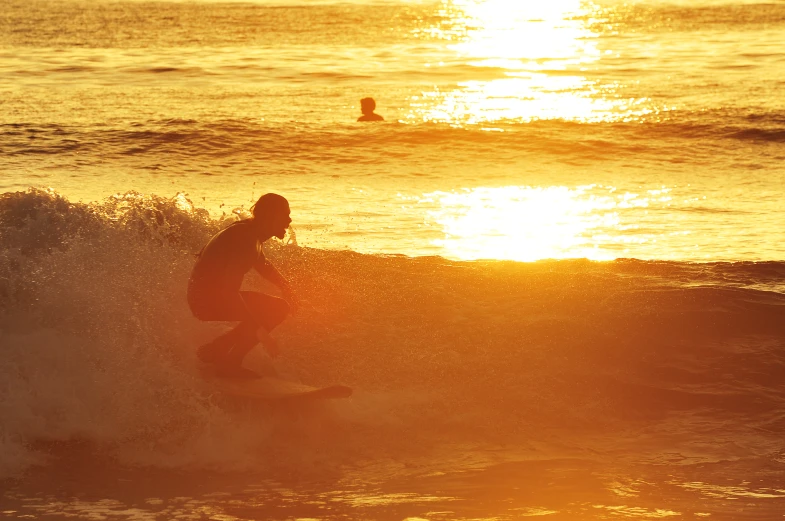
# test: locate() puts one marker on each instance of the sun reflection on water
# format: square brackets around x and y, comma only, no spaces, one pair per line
[525,223]
[530,62]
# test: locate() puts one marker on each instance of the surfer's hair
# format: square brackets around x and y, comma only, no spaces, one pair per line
[269,204]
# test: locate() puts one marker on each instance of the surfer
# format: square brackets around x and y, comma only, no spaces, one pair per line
[368,105]
[214,287]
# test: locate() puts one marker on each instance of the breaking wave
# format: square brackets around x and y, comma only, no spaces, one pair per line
[555,356]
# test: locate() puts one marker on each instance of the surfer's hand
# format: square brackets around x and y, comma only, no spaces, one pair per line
[291,298]
[269,343]
[272,348]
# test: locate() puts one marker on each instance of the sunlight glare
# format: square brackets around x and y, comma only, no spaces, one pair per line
[525,223]
[529,61]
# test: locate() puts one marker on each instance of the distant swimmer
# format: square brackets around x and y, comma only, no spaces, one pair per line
[214,288]
[368,105]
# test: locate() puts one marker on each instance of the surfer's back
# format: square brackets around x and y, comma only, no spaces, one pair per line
[224,261]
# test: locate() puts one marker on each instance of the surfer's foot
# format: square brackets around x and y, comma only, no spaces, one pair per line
[213,352]
[235,372]
[225,356]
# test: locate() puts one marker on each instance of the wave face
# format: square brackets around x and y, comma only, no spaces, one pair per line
[549,359]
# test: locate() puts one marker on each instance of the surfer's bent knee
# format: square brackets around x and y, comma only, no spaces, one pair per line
[278,310]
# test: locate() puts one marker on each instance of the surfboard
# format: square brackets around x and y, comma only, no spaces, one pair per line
[272,388]
[276,389]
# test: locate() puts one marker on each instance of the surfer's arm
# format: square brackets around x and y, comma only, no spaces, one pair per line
[267,270]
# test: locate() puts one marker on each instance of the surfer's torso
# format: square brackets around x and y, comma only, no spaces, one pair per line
[223,263]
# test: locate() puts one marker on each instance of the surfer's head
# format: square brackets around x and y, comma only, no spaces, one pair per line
[271,213]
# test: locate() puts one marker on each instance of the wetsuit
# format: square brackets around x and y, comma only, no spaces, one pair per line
[214,293]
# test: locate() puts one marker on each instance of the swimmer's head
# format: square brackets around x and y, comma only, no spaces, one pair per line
[367,105]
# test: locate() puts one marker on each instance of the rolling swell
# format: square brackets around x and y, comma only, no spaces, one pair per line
[568,356]
[192,139]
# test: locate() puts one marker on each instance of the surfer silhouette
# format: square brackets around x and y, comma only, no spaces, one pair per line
[368,105]
[214,288]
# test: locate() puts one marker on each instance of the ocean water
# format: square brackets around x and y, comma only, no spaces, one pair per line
[513,130]
[554,275]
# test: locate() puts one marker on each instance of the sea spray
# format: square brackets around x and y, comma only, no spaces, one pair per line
[93,333]
[550,358]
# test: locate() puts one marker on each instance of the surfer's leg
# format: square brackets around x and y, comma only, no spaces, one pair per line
[267,311]
[218,309]
[218,348]
[228,350]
